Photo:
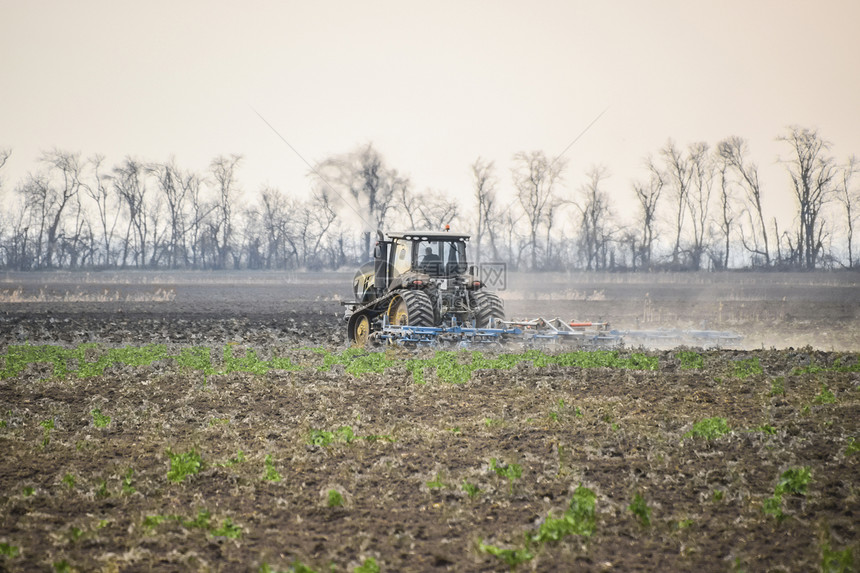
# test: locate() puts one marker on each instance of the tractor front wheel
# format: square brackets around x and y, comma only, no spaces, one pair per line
[358,329]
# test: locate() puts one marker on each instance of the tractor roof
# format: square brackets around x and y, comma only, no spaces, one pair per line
[429,236]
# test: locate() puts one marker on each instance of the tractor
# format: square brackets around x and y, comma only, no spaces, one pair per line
[419,278]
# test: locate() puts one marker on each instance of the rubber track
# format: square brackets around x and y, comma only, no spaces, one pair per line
[418,307]
[487,305]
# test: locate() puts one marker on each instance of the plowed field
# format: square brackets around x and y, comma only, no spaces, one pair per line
[216,422]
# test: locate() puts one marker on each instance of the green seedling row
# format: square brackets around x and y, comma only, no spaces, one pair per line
[450,366]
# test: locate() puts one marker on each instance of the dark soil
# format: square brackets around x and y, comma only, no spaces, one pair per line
[67,497]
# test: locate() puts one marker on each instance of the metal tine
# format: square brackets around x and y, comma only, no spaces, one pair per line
[538,330]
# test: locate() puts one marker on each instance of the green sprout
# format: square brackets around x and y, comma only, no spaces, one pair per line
[436,483]
[127,488]
[511,472]
[747,367]
[228,529]
[99,419]
[766,429]
[640,509]
[579,519]
[773,506]
[793,481]
[511,557]
[369,566]
[320,438]
[237,459]
[183,465]
[152,521]
[48,425]
[345,434]
[202,521]
[470,489]
[690,360]
[101,489]
[777,386]
[825,396]
[709,429]
[69,480]
[75,533]
[335,498]
[271,473]
[833,561]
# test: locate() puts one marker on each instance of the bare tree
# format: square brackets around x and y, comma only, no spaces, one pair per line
[198,211]
[36,203]
[734,152]
[252,233]
[322,214]
[485,181]
[553,208]
[174,187]
[514,243]
[629,239]
[436,210]
[275,223]
[108,214]
[407,202]
[812,173]
[727,216]
[5,153]
[129,182]
[73,242]
[335,246]
[849,197]
[363,178]
[17,248]
[535,178]
[52,193]
[648,194]
[595,220]
[699,199]
[158,232]
[678,173]
[223,170]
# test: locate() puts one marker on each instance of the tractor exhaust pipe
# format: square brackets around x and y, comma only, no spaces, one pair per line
[380,266]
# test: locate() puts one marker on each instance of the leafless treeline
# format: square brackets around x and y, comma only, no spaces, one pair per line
[698,207]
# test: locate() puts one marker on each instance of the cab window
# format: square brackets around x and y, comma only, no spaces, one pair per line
[402,261]
[441,258]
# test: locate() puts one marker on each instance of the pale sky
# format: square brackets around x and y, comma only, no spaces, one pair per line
[433,85]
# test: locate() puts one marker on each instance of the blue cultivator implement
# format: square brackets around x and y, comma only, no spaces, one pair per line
[541,331]
[536,332]
[453,334]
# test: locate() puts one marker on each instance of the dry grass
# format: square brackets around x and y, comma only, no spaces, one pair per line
[106,295]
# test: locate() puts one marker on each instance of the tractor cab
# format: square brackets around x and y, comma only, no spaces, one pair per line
[405,257]
[438,255]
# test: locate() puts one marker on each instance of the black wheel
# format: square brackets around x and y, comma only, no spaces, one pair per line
[485,307]
[411,307]
[358,329]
